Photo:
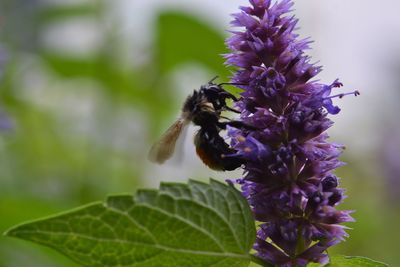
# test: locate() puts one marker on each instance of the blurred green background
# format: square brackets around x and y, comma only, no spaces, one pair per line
[88,87]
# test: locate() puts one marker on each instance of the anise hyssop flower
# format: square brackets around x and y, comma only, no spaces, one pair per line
[288,178]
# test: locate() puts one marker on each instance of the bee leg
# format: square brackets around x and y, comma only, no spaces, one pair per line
[232,109]
[235,84]
[216,91]
[224,94]
[236,124]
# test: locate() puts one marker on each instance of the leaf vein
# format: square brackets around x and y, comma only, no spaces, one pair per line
[136,243]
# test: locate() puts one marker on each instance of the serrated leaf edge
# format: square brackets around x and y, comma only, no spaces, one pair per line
[362,257]
[13,230]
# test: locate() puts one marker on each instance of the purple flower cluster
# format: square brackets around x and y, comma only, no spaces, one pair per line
[288,177]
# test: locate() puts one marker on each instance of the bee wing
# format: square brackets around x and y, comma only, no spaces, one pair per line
[164,148]
[179,152]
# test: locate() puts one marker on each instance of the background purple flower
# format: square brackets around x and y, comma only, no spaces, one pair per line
[288,178]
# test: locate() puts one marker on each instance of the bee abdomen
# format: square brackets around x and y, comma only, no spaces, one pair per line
[209,160]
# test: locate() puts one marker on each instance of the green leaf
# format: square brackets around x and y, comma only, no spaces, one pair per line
[351,261]
[178,225]
[52,14]
[69,67]
[182,39]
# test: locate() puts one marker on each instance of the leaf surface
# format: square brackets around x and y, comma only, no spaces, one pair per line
[183,39]
[351,261]
[178,225]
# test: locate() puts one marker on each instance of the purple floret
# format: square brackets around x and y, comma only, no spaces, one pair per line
[288,178]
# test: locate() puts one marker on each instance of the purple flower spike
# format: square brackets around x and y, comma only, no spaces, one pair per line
[288,177]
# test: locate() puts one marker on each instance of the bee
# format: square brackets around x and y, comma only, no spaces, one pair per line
[203,108]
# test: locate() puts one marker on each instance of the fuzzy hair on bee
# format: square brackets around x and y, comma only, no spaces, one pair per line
[203,108]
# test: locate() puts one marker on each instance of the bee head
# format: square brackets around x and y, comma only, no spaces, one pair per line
[191,103]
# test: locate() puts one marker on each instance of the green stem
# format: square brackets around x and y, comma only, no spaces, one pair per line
[260,261]
[300,246]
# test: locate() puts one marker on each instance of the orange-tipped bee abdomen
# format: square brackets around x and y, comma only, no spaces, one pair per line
[208,160]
